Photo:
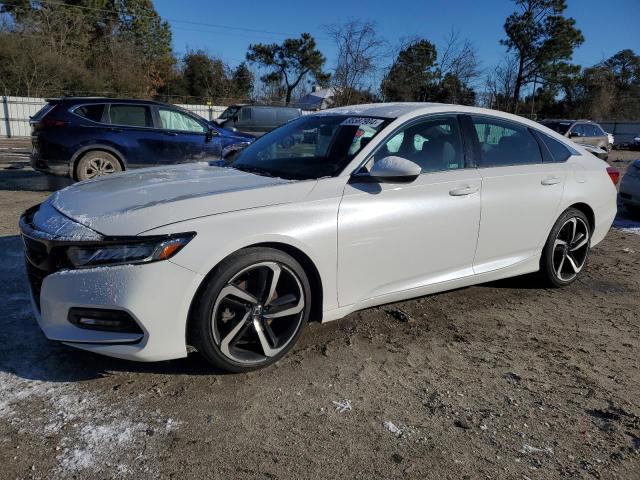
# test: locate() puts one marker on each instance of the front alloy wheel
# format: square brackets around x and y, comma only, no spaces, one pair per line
[567,248]
[253,310]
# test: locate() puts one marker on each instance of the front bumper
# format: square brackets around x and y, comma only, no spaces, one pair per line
[157,296]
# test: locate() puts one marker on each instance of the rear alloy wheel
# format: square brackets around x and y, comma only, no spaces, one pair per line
[97,164]
[252,311]
[567,249]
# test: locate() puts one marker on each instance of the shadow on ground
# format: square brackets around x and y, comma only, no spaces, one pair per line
[29,180]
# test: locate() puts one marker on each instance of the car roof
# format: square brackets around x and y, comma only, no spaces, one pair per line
[411,109]
[76,100]
[566,120]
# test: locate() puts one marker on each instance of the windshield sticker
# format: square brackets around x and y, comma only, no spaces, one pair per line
[357,121]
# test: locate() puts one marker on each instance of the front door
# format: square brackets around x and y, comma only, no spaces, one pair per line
[185,138]
[399,236]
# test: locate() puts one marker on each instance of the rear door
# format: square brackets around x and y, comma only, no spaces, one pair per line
[186,138]
[520,193]
[132,131]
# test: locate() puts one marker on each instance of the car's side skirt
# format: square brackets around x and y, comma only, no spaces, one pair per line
[531,264]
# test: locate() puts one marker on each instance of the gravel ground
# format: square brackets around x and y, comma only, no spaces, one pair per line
[503,380]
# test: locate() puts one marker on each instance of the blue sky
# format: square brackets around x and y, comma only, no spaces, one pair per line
[608,26]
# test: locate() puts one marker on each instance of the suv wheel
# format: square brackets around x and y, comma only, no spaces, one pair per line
[252,310]
[96,164]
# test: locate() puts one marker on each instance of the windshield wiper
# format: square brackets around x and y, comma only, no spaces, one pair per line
[256,170]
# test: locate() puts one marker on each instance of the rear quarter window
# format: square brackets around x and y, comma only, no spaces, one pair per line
[90,112]
[559,152]
[43,111]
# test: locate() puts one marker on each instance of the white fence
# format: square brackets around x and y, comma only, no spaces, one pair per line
[15,113]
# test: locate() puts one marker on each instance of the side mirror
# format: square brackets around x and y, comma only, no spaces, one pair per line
[574,135]
[395,170]
[211,133]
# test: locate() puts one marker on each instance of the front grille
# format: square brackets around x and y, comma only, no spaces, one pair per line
[36,277]
[42,256]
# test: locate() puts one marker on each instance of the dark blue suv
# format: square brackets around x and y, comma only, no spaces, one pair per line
[88,137]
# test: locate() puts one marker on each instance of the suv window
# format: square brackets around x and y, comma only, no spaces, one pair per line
[559,151]
[594,131]
[91,112]
[579,129]
[173,120]
[245,114]
[505,143]
[433,144]
[130,115]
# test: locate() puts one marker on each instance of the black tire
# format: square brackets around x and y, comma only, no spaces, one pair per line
[96,164]
[208,329]
[558,260]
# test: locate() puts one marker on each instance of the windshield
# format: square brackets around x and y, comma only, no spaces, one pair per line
[312,146]
[228,113]
[560,127]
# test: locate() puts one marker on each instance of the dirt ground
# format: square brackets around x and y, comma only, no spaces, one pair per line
[502,380]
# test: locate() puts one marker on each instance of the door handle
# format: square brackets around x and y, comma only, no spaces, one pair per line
[171,134]
[551,181]
[459,192]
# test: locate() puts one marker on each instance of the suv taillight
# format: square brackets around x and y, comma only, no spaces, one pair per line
[614,174]
[52,123]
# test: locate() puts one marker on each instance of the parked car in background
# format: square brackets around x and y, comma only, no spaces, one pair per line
[635,143]
[372,204]
[88,137]
[630,188]
[256,119]
[584,132]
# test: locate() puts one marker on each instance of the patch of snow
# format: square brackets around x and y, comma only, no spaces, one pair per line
[342,406]
[627,225]
[392,428]
[526,448]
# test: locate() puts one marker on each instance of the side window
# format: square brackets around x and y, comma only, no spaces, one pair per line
[505,143]
[245,114]
[559,151]
[130,115]
[593,131]
[433,144]
[174,120]
[579,130]
[90,112]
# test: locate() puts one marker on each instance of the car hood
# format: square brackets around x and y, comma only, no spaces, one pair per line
[134,202]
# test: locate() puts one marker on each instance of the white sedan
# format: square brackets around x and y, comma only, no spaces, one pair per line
[328,214]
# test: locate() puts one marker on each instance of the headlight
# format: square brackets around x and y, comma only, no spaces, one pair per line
[134,251]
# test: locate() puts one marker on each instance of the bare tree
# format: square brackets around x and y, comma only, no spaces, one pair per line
[459,58]
[359,50]
[500,83]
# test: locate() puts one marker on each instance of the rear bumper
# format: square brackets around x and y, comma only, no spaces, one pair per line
[46,166]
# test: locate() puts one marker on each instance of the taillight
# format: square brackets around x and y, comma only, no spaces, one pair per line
[52,123]
[614,174]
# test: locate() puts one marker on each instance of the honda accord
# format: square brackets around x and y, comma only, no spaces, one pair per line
[328,214]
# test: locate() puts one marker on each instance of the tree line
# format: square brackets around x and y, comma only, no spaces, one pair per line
[123,48]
